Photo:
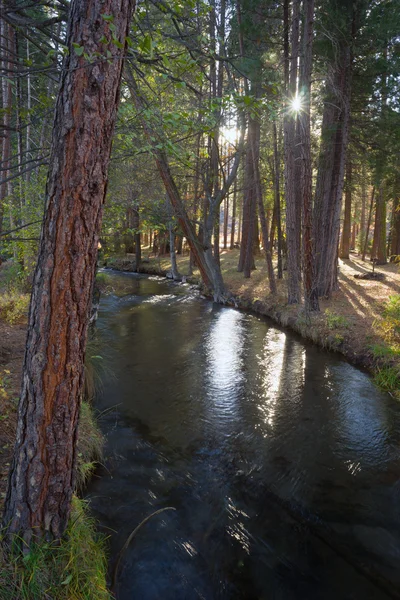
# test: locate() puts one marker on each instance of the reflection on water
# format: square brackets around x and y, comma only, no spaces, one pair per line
[282,461]
[224,344]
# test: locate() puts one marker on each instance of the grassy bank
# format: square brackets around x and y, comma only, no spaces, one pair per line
[75,569]
[361,320]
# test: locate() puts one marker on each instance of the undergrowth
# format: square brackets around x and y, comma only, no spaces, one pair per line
[74,569]
[14,306]
[387,375]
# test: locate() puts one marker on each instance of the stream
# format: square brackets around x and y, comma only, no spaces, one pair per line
[281,460]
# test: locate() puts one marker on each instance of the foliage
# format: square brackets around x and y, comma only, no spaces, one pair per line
[334,321]
[14,306]
[74,569]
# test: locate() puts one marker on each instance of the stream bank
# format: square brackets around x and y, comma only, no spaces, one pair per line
[338,327]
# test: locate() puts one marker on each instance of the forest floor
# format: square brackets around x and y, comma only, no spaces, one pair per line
[361,320]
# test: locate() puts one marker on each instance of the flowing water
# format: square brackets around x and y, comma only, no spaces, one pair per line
[281,460]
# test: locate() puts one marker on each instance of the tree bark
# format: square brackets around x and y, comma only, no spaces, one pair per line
[371,206]
[328,194]
[346,232]
[310,289]
[379,244]
[42,476]
[277,200]
[292,213]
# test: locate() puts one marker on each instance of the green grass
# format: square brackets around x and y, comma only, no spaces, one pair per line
[388,379]
[334,321]
[74,569]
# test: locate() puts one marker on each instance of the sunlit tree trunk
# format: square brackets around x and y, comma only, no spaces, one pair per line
[310,289]
[292,213]
[379,243]
[42,476]
[346,231]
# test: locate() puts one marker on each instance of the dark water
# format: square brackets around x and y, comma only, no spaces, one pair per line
[282,461]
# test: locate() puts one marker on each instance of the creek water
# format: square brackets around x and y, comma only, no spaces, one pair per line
[281,460]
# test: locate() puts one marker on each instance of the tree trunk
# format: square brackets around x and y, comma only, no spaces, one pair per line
[174,266]
[7,37]
[379,244]
[255,152]
[395,241]
[328,194]
[202,249]
[292,213]
[277,200]
[371,206]
[310,290]
[137,237]
[233,222]
[42,476]
[346,233]
[361,238]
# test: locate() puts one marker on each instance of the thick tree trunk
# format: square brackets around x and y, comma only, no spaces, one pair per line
[277,200]
[226,219]
[174,266]
[346,232]
[328,195]
[371,206]
[255,152]
[379,244]
[233,222]
[42,476]
[361,238]
[137,237]
[292,212]
[310,290]
[395,241]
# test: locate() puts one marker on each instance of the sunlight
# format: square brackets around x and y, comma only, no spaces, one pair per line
[296,103]
[230,134]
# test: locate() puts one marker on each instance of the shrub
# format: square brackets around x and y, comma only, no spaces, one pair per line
[335,321]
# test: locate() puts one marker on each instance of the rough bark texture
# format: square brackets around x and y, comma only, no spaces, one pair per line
[346,231]
[395,241]
[292,213]
[277,201]
[328,195]
[42,476]
[371,206]
[310,290]
[379,245]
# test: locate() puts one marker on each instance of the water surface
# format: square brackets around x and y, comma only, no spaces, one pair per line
[281,460]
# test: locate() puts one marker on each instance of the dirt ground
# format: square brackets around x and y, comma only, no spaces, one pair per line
[12,348]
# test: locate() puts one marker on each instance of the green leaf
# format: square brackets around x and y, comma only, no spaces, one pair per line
[108,18]
[78,49]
